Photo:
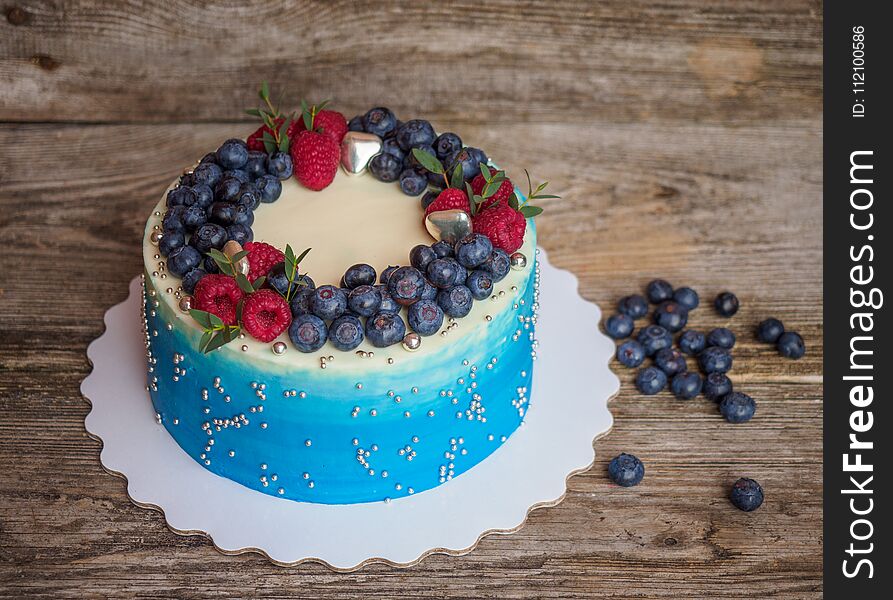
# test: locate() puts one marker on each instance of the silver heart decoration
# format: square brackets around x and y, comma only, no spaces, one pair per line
[448,225]
[357,149]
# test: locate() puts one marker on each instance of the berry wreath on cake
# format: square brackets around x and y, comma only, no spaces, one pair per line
[301,376]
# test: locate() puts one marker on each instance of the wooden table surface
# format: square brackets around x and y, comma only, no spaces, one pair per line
[685,137]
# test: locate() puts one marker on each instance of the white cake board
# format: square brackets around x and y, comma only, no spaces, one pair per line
[568,410]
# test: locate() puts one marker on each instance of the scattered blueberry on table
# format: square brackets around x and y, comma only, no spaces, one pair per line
[634,306]
[659,290]
[691,342]
[619,326]
[651,380]
[630,354]
[790,345]
[686,385]
[717,385]
[671,315]
[746,494]
[770,330]
[721,337]
[670,361]
[737,407]
[726,304]
[626,470]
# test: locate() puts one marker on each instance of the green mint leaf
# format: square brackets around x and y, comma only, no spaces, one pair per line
[216,322]
[541,196]
[301,256]
[201,317]
[513,201]
[530,211]
[238,256]
[470,193]
[244,284]
[284,142]
[485,171]
[427,160]
[216,341]
[259,282]
[206,337]
[253,112]
[264,91]
[322,105]
[457,178]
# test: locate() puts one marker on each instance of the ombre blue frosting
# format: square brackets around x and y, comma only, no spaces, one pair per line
[337,437]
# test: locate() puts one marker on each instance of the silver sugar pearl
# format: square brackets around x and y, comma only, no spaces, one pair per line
[279,348]
[412,342]
[185,303]
[518,261]
[156,237]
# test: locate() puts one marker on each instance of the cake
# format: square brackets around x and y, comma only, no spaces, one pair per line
[382,362]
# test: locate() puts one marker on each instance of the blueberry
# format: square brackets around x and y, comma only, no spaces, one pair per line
[209,235]
[207,173]
[409,160]
[346,332]
[429,197]
[456,301]
[269,188]
[240,233]
[385,329]
[715,360]
[430,292]
[630,353]
[717,385]
[173,219]
[308,333]
[204,195]
[473,250]
[671,316]
[790,345]
[634,306]
[191,278]
[385,167]
[386,274]
[359,274]
[479,157]
[210,157]
[182,260]
[726,304]
[280,165]
[687,298]
[194,217]
[209,264]
[446,143]
[770,330]
[222,213]
[412,183]
[658,291]
[686,385]
[390,146]
[737,407]
[170,241]
[329,302]
[232,154]
[257,164]
[442,249]
[498,264]
[619,326]
[692,342]
[722,337]
[651,380]
[240,174]
[468,158]
[406,285]
[442,272]
[248,196]
[425,317]
[746,494]
[181,196]
[380,121]
[480,282]
[355,123]
[300,303]
[364,300]
[414,133]
[421,256]
[388,304]
[227,189]
[654,338]
[670,361]
[243,216]
[626,470]
[307,281]
[461,272]
[278,280]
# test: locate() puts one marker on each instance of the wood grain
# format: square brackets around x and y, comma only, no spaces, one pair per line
[685,138]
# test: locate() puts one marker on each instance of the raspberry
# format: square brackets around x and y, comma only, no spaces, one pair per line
[506,188]
[261,257]
[218,295]
[316,157]
[449,199]
[328,122]
[265,315]
[255,141]
[504,225]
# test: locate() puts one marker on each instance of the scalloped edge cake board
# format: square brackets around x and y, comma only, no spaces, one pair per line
[569,409]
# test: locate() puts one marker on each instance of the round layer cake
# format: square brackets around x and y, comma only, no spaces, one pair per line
[333,426]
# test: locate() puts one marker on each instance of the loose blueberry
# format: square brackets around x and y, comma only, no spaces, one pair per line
[468,158]
[717,385]
[687,298]
[473,250]
[207,173]
[737,407]
[429,197]
[278,280]
[406,285]
[715,360]
[442,272]
[770,330]
[654,338]
[442,249]
[209,264]
[659,291]
[209,235]
[414,133]
[269,188]
[210,157]
[790,345]
[388,304]
[461,272]
[308,333]
[446,143]
[257,164]
[173,219]
[456,301]
[670,361]
[412,162]
[280,166]
[425,317]
[329,302]
[232,154]
[301,302]
[194,217]
[181,196]
[380,121]
[204,195]
[692,342]
[386,274]
[630,354]
[722,337]
[421,256]
[498,263]
[240,174]
[182,260]
[248,196]
[671,316]
[746,495]
[412,183]
[364,300]
[619,326]
[726,304]
[355,123]
[386,167]
[222,213]
[240,233]
[227,189]
[635,306]
[346,332]
[359,274]
[480,282]
[385,329]
[626,470]
[430,292]
[390,146]
[651,380]
[686,385]
[170,241]
[191,278]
